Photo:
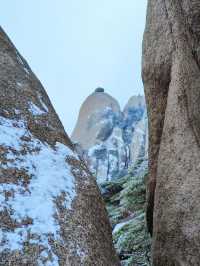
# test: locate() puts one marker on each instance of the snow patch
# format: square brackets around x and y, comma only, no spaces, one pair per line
[27,71]
[17,112]
[49,177]
[43,104]
[20,59]
[22,63]
[19,84]
[35,110]
[119,226]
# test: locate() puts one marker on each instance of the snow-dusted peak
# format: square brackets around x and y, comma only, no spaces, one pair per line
[113,140]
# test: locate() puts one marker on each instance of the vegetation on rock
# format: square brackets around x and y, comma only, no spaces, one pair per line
[125,201]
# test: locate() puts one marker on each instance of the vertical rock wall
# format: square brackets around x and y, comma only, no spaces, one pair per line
[171,76]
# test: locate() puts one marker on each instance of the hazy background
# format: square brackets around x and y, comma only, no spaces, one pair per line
[74,46]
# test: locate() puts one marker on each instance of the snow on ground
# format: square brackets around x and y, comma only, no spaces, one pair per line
[35,110]
[49,177]
[120,226]
[42,103]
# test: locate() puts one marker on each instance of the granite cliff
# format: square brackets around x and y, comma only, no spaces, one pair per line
[112,140]
[171,75]
[51,210]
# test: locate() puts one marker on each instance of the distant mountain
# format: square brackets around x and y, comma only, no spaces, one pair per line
[113,141]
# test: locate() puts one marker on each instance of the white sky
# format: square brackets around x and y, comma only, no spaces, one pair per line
[74,46]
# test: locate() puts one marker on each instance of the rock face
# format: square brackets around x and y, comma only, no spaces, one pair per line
[51,211]
[171,74]
[112,140]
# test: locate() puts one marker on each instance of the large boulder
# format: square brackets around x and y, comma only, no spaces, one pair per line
[171,76]
[112,140]
[51,211]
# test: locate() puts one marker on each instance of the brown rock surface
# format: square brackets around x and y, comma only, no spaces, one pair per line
[89,121]
[51,211]
[171,76]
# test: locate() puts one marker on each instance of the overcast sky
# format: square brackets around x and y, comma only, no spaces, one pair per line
[74,46]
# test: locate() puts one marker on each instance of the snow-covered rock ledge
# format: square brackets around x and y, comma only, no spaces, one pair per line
[31,200]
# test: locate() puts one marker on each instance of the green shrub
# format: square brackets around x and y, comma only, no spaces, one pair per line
[125,201]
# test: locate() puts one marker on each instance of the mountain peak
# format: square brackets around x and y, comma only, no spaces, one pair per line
[94,109]
[136,101]
[111,139]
